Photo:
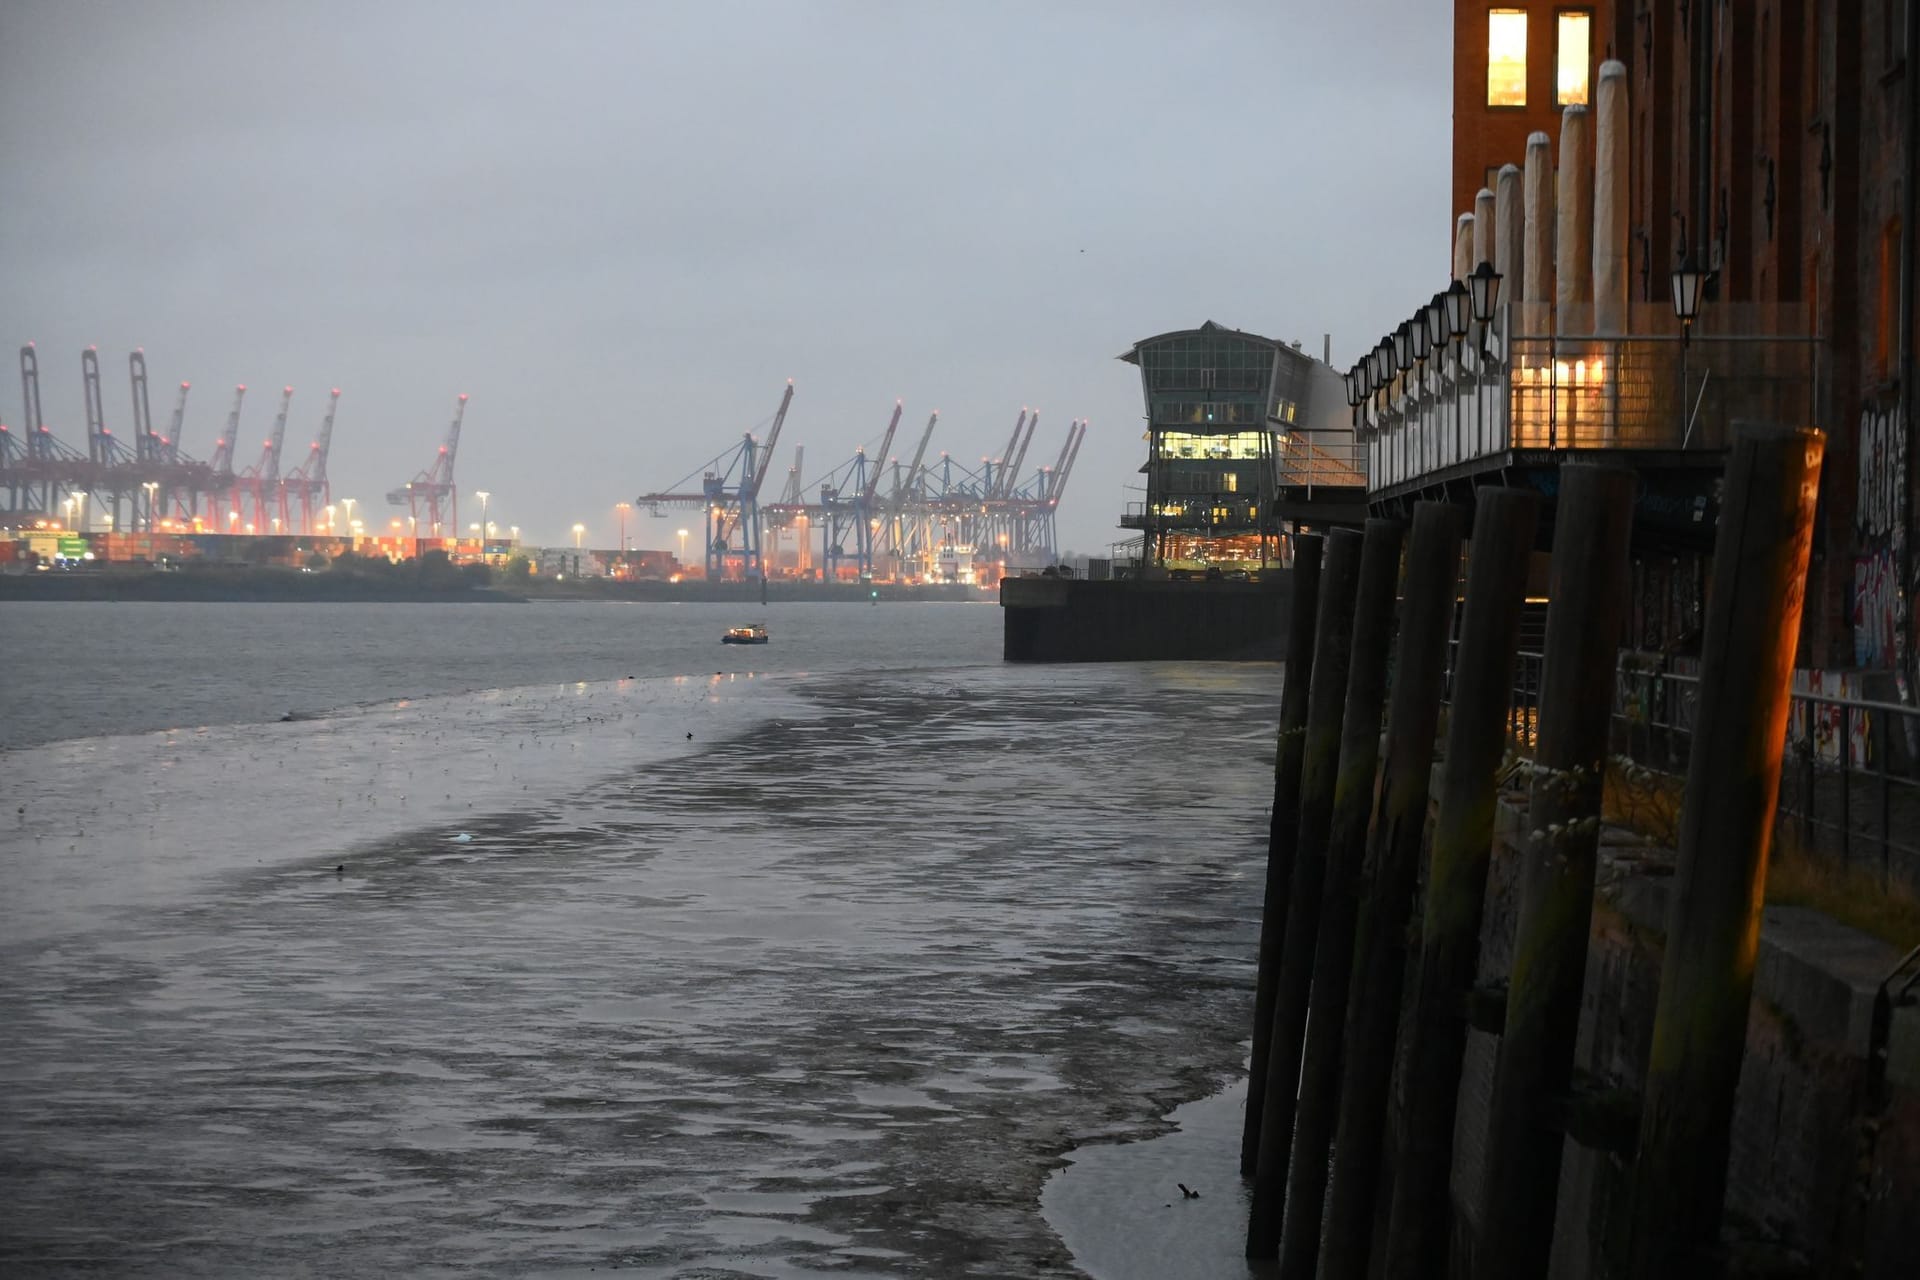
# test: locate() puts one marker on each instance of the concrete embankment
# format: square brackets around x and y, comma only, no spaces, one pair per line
[1069,620]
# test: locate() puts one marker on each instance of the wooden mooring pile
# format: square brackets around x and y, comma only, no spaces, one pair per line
[1356,988]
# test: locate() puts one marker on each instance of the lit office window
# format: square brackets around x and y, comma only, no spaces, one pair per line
[1507,58]
[1575,54]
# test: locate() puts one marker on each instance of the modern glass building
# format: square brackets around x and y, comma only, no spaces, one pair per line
[1230,415]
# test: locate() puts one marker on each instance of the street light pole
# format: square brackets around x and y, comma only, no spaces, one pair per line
[483,495]
[578,529]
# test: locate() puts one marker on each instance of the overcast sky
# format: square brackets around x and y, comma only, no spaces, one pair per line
[620,228]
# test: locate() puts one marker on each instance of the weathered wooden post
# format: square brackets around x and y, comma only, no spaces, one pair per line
[1333,632]
[1393,858]
[1281,826]
[1726,827]
[1319,1095]
[1534,1069]
[1503,531]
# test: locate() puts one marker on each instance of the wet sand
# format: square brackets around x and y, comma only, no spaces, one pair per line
[835,994]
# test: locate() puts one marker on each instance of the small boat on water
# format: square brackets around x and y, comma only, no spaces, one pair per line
[755,633]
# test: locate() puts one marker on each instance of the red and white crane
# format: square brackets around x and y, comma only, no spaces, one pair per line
[435,490]
[309,479]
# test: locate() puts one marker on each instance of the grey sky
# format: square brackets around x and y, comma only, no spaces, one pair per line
[621,227]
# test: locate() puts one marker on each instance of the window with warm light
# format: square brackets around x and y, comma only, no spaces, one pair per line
[1507,58]
[1573,58]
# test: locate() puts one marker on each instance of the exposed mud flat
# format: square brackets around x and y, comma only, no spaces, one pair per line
[834,994]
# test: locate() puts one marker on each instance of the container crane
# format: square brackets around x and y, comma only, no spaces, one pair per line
[907,532]
[47,465]
[436,484]
[112,467]
[729,496]
[222,480]
[855,512]
[309,479]
[263,478]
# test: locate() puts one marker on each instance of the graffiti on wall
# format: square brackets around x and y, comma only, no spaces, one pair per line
[1879,600]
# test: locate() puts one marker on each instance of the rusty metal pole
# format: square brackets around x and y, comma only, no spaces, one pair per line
[1353,791]
[1421,1215]
[1332,648]
[1281,826]
[1386,902]
[1726,827]
[1534,1069]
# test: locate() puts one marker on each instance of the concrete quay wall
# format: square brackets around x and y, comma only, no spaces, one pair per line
[1071,620]
[1818,1184]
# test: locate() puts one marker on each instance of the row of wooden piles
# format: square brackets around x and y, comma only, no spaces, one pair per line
[1375,886]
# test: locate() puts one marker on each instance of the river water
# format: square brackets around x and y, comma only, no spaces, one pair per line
[548,939]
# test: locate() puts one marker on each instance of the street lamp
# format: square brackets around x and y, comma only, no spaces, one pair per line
[623,508]
[1484,285]
[683,546]
[1690,281]
[151,486]
[578,529]
[329,517]
[483,495]
[348,504]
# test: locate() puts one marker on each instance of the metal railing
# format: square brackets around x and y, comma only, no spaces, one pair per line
[1528,387]
[1850,783]
[1336,459]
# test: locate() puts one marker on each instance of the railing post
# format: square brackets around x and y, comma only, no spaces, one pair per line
[1319,764]
[1421,1215]
[1314,1116]
[1392,866]
[1534,1068]
[1846,787]
[1281,826]
[1706,979]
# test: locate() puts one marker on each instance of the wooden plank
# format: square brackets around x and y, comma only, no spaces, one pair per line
[1532,1074]
[1421,1210]
[1386,895]
[1281,826]
[1726,829]
[1319,766]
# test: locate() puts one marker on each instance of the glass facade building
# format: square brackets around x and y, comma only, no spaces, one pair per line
[1219,406]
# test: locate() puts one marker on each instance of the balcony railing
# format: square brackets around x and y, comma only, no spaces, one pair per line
[1527,388]
[1322,459]
[1199,511]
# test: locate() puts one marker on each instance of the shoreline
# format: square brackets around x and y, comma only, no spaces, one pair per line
[250,586]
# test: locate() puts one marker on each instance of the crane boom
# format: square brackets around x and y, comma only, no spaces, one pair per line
[146,447]
[905,487]
[171,441]
[750,485]
[1010,477]
[880,459]
[1073,451]
[1019,424]
[98,449]
[223,447]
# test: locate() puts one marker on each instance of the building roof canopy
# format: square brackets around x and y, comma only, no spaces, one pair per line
[1132,356]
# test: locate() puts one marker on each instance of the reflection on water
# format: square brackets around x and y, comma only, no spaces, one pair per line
[830,987]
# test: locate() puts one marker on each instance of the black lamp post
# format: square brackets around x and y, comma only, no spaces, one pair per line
[1484,286]
[1436,321]
[1690,281]
[1459,306]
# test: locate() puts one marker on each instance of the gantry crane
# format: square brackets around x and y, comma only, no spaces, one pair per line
[729,499]
[309,479]
[222,479]
[111,470]
[850,508]
[45,466]
[436,484]
[261,481]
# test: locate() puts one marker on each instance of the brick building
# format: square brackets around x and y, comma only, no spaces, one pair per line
[1771,142]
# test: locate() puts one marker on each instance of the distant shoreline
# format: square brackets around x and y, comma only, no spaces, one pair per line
[279,586]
